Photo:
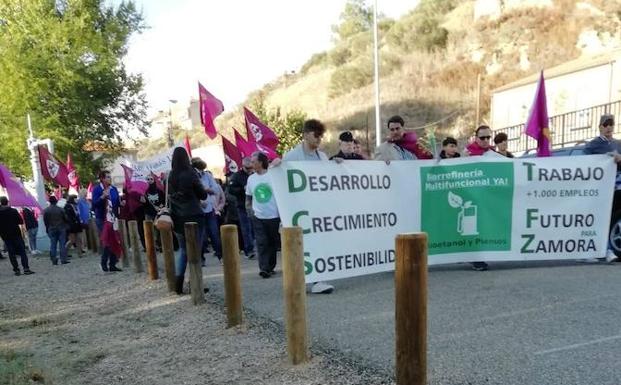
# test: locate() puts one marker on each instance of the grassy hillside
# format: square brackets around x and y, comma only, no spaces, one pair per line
[430,60]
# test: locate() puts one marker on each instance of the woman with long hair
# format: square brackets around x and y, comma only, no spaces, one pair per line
[185,192]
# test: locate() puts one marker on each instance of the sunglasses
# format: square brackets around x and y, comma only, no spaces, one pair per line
[486,137]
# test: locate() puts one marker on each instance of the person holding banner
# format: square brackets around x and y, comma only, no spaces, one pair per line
[185,193]
[449,149]
[501,140]
[399,146]
[308,149]
[346,147]
[261,203]
[606,144]
[12,236]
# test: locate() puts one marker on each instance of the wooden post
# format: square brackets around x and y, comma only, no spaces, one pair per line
[194,261]
[149,242]
[134,239]
[89,236]
[295,293]
[232,285]
[124,242]
[411,309]
[169,258]
[94,235]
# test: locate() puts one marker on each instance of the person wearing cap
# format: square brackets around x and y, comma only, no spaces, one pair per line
[606,144]
[449,149]
[346,147]
[501,140]
[12,236]
[395,147]
[56,225]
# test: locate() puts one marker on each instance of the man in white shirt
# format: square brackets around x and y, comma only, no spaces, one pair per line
[260,202]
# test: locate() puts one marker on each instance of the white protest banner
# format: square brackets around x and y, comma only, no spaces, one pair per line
[473,209]
[157,165]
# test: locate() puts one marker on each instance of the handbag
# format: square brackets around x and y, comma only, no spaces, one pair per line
[163,219]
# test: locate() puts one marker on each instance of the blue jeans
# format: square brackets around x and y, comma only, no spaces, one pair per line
[16,247]
[246,230]
[32,238]
[212,232]
[107,257]
[182,257]
[58,236]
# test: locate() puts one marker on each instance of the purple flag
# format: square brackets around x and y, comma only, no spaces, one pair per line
[17,194]
[257,131]
[232,157]
[247,148]
[210,108]
[537,124]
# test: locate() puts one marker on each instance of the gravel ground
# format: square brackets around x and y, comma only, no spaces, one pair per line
[78,325]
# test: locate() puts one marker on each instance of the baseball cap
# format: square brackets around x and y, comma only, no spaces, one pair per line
[346,137]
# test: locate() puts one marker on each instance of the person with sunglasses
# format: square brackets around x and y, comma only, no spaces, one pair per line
[605,143]
[481,143]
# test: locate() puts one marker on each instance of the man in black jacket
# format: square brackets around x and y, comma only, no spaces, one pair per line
[346,147]
[237,188]
[12,236]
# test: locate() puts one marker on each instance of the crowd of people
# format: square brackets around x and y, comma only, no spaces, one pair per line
[245,199]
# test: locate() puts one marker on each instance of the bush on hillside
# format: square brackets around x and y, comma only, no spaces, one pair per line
[339,55]
[360,73]
[317,60]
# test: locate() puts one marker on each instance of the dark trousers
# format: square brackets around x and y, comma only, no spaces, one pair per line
[246,230]
[16,247]
[107,257]
[267,237]
[212,231]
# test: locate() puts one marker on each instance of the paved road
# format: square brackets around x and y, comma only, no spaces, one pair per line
[519,323]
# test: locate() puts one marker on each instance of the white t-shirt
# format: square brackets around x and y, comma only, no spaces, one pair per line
[263,203]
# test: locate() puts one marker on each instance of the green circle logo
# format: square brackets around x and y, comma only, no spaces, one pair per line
[263,193]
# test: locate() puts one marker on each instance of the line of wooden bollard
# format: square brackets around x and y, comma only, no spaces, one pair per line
[92,226]
[295,294]
[149,243]
[194,261]
[169,258]
[124,242]
[232,285]
[411,308]
[135,242]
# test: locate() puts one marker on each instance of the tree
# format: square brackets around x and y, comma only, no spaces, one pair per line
[356,17]
[61,62]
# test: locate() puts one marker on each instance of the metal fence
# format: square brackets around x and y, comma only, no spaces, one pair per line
[566,129]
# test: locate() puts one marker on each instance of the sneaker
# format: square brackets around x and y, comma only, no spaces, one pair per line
[322,288]
[264,274]
[114,268]
[480,266]
[250,255]
[611,256]
[64,263]
[17,272]
[28,272]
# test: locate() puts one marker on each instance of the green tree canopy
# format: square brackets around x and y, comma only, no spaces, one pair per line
[356,17]
[61,62]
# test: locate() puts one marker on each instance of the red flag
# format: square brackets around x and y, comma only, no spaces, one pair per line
[134,183]
[74,180]
[537,125]
[128,172]
[210,108]
[111,239]
[188,148]
[51,168]
[158,181]
[247,148]
[232,157]
[258,132]
[18,195]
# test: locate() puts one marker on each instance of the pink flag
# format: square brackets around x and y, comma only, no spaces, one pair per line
[409,141]
[210,108]
[134,183]
[158,181]
[257,131]
[537,125]
[17,194]
[232,157]
[247,148]
[188,148]
[53,169]
[74,180]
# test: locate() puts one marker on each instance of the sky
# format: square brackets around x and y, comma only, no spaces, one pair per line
[232,47]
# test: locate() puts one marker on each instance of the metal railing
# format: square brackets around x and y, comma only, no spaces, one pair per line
[566,129]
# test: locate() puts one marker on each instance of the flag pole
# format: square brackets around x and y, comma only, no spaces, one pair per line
[378,129]
[43,241]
